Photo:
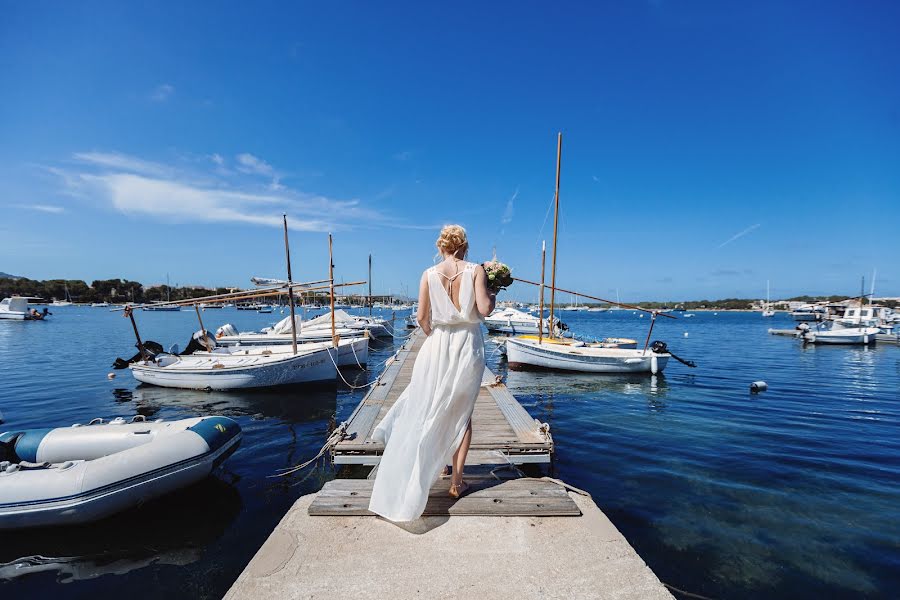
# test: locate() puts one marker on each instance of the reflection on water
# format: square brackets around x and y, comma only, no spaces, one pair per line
[292,404]
[172,530]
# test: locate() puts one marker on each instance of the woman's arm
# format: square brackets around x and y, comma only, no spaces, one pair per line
[423,314]
[485,300]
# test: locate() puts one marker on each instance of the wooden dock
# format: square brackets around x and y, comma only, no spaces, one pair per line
[502,430]
[487,496]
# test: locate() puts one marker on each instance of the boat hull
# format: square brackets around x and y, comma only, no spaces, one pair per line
[842,337]
[522,355]
[352,352]
[90,478]
[305,368]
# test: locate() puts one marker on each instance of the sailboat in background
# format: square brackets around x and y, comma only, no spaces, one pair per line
[66,302]
[767,309]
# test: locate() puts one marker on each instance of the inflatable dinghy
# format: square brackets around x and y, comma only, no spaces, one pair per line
[78,474]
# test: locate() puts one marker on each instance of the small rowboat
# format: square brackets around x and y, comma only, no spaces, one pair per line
[78,474]
[524,354]
[226,371]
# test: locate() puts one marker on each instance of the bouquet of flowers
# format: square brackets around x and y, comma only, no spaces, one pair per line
[499,275]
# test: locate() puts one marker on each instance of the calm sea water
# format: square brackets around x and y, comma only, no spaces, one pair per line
[792,493]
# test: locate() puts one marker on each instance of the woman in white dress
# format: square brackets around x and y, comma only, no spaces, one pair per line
[430,426]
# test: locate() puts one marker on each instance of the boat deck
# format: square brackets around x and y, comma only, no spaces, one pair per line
[502,430]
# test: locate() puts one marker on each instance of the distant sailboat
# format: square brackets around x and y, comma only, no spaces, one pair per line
[66,302]
[767,309]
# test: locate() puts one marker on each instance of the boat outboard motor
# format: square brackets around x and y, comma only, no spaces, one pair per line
[660,347]
[152,348]
[8,446]
[226,329]
[201,341]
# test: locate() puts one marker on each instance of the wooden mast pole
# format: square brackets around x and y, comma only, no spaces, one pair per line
[130,313]
[334,338]
[209,345]
[287,254]
[555,230]
[541,309]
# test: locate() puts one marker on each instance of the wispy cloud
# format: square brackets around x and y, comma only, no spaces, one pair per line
[162,92]
[45,208]
[180,193]
[739,235]
[510,208]
[403,156]
[122,162]
[248,163]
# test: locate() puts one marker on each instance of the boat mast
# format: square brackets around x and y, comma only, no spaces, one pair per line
[370,285]
[334,339]
[555,229]
[287,255]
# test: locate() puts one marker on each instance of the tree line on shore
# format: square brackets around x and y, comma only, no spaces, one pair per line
[100,290]
[123,290]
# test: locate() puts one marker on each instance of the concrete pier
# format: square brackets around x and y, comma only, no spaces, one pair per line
[483,557]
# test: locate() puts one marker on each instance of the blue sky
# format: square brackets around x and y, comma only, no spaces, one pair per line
[707,146]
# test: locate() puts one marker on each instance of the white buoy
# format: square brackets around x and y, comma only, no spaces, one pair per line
[110,375]
[685,334]
[758,386]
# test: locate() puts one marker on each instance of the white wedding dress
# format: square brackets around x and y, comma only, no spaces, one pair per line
[425,426]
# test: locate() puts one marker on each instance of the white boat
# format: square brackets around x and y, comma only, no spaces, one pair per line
[66,302]
[868,316]
[206,305]
[842,335]
[352,352]
[808,313]
[79,474]
[598,309]
[767,309]
[377,327]
[412,320]
[99,304]
[529,353]
[228,335]
[226,371]
[514,321]
[16,309]
[165,308]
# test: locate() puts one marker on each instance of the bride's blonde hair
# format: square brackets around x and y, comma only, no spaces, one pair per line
[452,240]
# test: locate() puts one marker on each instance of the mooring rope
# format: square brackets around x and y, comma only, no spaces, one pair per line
[336,436]
[344,379]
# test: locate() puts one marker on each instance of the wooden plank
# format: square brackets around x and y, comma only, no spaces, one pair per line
[486,497]
[503,431]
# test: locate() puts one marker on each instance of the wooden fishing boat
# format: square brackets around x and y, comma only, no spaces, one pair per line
[226,371]
[530,353]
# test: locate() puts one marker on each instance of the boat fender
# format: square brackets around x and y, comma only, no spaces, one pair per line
[758,386]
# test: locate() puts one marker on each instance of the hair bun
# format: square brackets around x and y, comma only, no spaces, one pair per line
[452,239]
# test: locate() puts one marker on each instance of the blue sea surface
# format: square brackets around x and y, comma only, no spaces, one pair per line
[790,493]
